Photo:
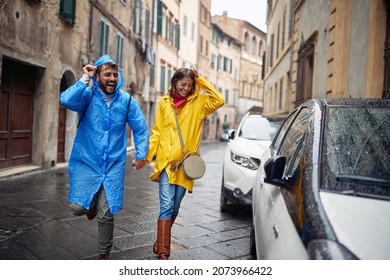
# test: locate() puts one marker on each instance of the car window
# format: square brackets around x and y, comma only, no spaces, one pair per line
[282,131]
[258,128]
[292,146]
[357,148]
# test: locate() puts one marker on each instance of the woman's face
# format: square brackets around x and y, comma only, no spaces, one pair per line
[184,86]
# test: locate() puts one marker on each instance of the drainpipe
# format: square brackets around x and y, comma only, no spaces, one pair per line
[292,4]
[92,2]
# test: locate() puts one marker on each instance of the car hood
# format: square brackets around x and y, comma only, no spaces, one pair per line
[361,224]
[252,148]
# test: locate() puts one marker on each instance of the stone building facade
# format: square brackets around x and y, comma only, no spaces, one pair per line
[331,49]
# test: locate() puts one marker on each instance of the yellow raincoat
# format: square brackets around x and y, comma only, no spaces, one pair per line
[164,142]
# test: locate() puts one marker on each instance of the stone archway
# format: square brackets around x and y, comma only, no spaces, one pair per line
[67,80]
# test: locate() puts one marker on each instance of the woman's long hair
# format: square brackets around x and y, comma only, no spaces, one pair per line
[180,74]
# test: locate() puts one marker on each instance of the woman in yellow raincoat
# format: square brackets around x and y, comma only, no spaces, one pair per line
[192,97]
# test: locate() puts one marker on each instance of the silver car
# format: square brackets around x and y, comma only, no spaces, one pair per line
[322,190]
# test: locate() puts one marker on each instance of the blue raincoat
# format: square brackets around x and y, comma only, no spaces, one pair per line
[99,151]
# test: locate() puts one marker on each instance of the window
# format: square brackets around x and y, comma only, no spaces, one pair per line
[185,19]
[162,79]
[305,72]
[192,31]
[68,10]
[104,30]
[293,142]
[159,17]
[281,94]
[213,61]
[227,95]
[246,42]
[271,56]
[169,76]
[147,26]
[254,45]
[137,16]
[225,64]
[244,88]
[119,50]
[166,26]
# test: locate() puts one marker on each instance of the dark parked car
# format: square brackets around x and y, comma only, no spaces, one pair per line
[225,136]
[322,190]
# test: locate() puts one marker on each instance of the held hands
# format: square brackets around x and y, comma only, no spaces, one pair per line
[89,70]
[139,164]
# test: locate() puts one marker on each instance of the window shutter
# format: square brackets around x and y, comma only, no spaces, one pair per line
[68,10]
[177,43]
[159,17]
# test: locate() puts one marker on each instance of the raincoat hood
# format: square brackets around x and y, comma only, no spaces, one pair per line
[101,61]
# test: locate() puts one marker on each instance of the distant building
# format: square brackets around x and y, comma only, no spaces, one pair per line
[318,49]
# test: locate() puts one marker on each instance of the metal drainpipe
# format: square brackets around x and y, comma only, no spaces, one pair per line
[92,2]
[292,3]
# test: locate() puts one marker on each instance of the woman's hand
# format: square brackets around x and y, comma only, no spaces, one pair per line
[193,69]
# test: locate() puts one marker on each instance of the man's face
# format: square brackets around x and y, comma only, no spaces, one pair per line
[107,79]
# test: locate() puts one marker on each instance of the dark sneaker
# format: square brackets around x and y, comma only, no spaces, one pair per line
[104,257]
[92,213]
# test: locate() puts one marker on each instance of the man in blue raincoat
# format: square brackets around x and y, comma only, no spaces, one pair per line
[98,159]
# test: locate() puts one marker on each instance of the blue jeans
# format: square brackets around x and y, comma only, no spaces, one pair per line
[170,198]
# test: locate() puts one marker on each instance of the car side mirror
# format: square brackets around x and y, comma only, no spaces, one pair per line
[232,133]
[274,169]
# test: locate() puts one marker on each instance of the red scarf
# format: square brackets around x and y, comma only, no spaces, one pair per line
[179,100]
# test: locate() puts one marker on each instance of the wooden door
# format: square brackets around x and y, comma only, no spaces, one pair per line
[61,126]
[16,113]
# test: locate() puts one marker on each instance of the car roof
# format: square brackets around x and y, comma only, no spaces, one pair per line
[354,102]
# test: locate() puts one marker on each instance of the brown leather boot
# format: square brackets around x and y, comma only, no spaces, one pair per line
[163,239]
[155,242]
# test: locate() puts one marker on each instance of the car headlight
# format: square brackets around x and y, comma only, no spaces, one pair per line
[247,162]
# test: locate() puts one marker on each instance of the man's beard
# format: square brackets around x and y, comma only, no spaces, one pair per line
[103,87]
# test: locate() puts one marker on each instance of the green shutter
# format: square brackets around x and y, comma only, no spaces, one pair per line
[68,10]
[177,43]
[159,17]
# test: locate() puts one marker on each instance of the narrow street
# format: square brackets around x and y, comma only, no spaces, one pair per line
[37,223]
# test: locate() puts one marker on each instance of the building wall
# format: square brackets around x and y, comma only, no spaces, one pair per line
[249,64]
[33,33]
[347,60]
[188,52]
[277,81]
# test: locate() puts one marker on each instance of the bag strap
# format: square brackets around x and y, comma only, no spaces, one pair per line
[128,106]
[175,167]
[179,130]
[82,116]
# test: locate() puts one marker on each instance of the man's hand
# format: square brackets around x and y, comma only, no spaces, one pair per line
[139,164]
[89,70]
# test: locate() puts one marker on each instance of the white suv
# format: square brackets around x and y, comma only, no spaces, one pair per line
[242,158]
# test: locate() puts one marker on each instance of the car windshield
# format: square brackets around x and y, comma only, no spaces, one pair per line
[259,128]
[357,150]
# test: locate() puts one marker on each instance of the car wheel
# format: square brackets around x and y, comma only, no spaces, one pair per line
[223,204]
[252,242]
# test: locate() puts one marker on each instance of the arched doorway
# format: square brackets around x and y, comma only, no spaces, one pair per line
[67,80]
